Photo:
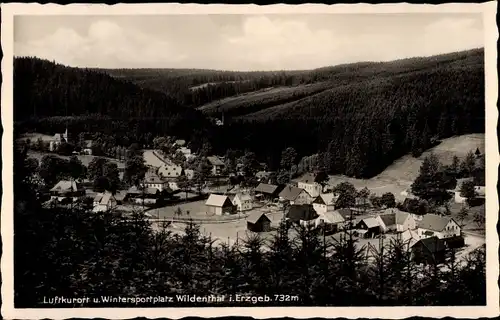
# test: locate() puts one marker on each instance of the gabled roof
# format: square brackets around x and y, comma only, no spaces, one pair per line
[409,237]
[434,222]
[215,161]
[333,216]
[66,186]
[120,195]
[266,188]
[394,216]
[153,179]
[433,244]
[104,198]
[243,197]
[371,222]
[217,200]
[290,193]
[303,212]
[256,216]
[326,198]
[388,219]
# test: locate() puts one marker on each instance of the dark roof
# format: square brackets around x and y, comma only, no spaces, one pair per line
[301,212]
[266,188]
[345,212]
[256,216]
[434,222]
[389,219]
[433,244]
[454,242]
[290,193]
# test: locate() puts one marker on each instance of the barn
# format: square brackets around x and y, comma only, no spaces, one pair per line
[258,222]
[218,205]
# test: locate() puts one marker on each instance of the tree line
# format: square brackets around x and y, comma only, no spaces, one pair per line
[85,254]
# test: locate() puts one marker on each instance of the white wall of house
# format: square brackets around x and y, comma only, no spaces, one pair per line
[314,189]
[322,208]
[459,198]
[242,205]
[214,210]
[408,224]
[450,230]
[302,198]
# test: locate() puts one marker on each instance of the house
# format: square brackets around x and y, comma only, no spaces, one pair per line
[302,214]
[87,147]
[325,202]
[170,170]
[144,196]
[308,183]
[153,180]
[294,195]
[266,191]
[242,201]
[369,227]
[57,140]
[438,226]
[258,222]
[104,202]
[217,165]
[429,250]
[219,204]
[263,176]
[186,152]
[396,220]
[409,237]
[66,189]
[332,221]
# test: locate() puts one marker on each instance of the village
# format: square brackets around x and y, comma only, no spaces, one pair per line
[175,192]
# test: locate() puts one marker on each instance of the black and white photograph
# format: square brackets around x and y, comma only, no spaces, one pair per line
[193,156]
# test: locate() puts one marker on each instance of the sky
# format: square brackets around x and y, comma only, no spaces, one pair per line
[243,42]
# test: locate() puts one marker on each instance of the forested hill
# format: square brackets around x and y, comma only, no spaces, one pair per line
[357,119]
[208,88]
[93,101]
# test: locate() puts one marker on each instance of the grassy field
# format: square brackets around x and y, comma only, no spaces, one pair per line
[400,175]
[245,103]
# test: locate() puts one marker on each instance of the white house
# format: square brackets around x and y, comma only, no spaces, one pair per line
[332,219]
[307,182]
[104,202]
[170,170]
[152,180]
[66,189]
[325,202]
[439,226]
[243,201]
[58,139]
[189,173]
[219,205]
[396,220]
[295,195]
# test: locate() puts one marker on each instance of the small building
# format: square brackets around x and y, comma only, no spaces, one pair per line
[258,222]
[331,221]
[189,173]
[409,238]
[104,202]
[325,202]
[309,184]
[153,180]
[396,220]
[170,170]
[146,195]
[302,214]
[219,204]
[57,140]
[294,195]
[243,201]
[217,165]
[67,189]
[429,250]
[455,242]
[439,226]
[266,191]
[370,227]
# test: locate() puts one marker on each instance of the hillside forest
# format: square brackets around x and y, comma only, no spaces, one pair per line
[356,118]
